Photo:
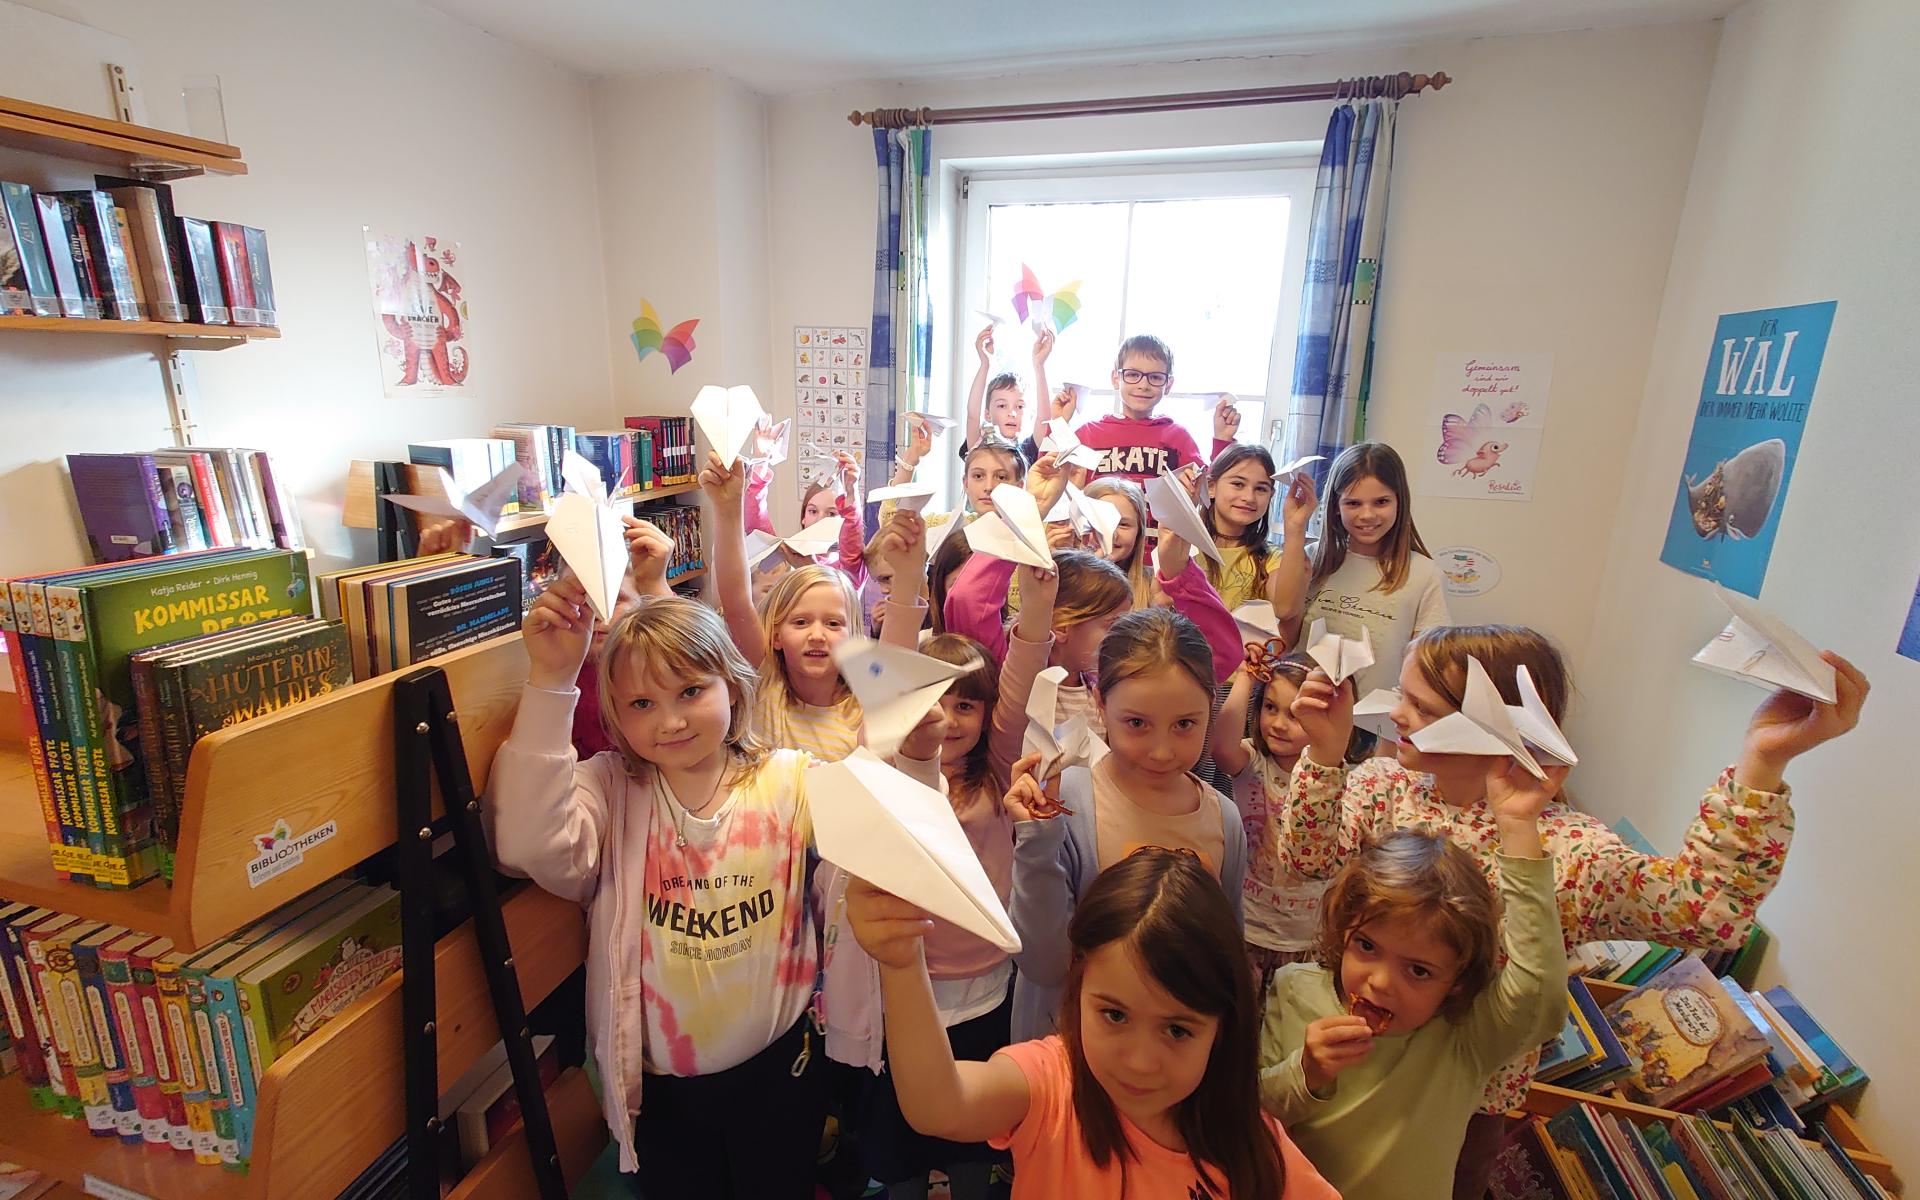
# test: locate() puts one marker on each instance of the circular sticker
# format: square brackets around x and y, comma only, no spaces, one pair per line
[1466,571]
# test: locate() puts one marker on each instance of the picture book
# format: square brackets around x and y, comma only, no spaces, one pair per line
[1682,1033]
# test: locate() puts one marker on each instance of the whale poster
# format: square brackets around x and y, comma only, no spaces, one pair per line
[1754,401]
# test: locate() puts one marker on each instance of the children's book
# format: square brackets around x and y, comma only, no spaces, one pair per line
[1682,1033]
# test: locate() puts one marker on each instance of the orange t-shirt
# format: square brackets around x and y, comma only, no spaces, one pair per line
[1050,1159]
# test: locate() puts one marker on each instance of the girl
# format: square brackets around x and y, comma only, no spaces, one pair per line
[1704,896]
[1130,551]
[1369,566]
[1005,403]
[1384,1047]
[1155,693]
[801,702]
[1236,505]
[1148,1090]
[838,493]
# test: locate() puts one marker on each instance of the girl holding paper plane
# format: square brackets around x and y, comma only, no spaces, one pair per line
[1236,506]
[1148,1089]
[1130,550]
[1473,699]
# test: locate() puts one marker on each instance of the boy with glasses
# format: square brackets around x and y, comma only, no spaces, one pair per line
[1138,445]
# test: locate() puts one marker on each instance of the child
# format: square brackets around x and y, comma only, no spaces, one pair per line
[1155,693]
[802,702]
[1236,504]
[1369,566]
[1705,896]
[1147,1091]
[1130,551]
[1138,444]
[839,493]
[1006,405]
[1376,1057]
[1282,909]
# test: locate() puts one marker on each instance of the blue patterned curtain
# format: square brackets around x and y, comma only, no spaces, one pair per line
[1328,408]
[900,344]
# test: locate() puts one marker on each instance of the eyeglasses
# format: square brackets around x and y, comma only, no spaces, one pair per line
[1156,378]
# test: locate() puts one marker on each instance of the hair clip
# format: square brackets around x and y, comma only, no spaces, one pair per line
[1263,658]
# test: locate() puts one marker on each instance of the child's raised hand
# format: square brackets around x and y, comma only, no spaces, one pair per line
[1042,345]
[1324,710]
[648,553]
[723,483]
[441,536]
[1027,800]
[557,631]
[1296,509]
[983,345]
[1515,795]
[1333,1044]
[923,744]
[1788,724]
[1226,418]
[1065,401]
[1038,587]
[846,469]
[919,440]
[904,542]
[887,927]
[1046,482]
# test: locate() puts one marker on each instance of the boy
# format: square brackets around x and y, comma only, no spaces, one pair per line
[1005,404]
[1139,445]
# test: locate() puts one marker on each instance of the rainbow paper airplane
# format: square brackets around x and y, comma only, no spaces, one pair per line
[676,343]
[1059,309]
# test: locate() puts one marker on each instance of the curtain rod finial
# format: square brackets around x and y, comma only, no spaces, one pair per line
[856,118]
[1437,80]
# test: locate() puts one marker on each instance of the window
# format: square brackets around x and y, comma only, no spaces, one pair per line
[1209,262]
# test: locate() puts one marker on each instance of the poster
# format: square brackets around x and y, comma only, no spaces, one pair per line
[1909,646]
[1487,414]
[829,398]
[419,313]
[1754,400]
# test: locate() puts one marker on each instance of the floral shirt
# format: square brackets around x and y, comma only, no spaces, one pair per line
[1704,896]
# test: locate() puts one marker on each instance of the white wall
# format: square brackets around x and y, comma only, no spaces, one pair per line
[1534,207]
[1802,191]
[350,113]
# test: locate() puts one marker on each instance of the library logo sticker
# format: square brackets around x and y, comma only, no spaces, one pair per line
[281,851]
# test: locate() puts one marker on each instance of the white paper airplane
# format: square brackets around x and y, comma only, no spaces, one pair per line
[727,416]
[1074,744]
[1340,657]
[812,450]
[1486,724]
[1080,393]
[1257,621]
[1286,469]
[1174,510]
[936,424]
[1213,400]
[993,318]
[811,542]
[1759,648]
[480,507]
[1373,713]
[775,451]
[1013,531]
[1059,439]
[1100,515]
[939,527]
[909,497]
[901,836]
[579,475]
[895,687]
[592,539]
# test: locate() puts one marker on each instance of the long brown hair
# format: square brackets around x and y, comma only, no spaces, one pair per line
[1368,460]
[671,634]
[981,684]
[1441,654]
[1169,910]
[1090,587]
[948,558]
[1254,536]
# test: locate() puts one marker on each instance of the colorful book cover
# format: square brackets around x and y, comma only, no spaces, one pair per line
[1846,1074]
[57,235]
[199,274]
[285,504]
[183,506]
[72,852]
[147,1121]
[187,1122]
[29,242]
[260,274]
[1525,1169]
[23,1022]
[315,978]
[16,299]
[90,216]
[64,995]
[149,220]
[122,1111]
[52,1010]
[158,1089]
[211,1124]
[122,506]
[33,719]
[438,614]
[1682,1033]
[1576,1131]
[230,243]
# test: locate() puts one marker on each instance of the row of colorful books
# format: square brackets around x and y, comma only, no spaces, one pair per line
[119,252]
[681,524]
[650,453]
[184,498]
[397,614]
[164,1048]
[71,636]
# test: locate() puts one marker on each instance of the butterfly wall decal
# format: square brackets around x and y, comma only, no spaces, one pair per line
[1058,309]
[1466,442]
[675,344]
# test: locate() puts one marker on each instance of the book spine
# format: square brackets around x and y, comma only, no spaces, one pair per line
[123,970]
[177,748]
[146,701]
[59,243]
[247,472]
[202,1104]
[260,275]
[278,510]
[30,243]
[50,711]
[89,257]
[153,250]
[89,1069]
[61,1075]
[24,1022]
[123,230]
[109,763]
[231,245]
[82,717]
[261,1051]
[239,497]
[223,1005]
[191,527]
[111,268]
[125,1112]
[206,482]
[184,1121]
[165,540]
[30,726]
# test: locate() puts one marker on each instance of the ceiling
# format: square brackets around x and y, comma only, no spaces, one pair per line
[780,46]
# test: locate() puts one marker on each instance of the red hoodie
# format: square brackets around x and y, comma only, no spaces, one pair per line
[1139,450]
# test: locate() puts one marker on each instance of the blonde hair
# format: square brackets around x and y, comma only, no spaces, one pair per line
[1090,587]
[1441,654]
[778,606]
[670,635]
[1137,566]
[1414,875]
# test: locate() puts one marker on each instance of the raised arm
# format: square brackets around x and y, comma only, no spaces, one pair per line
[1189,592]
[723,487]
[977,391]
[919,445]
[1229,747]
[1042,399]
[902,542]
[1287,582]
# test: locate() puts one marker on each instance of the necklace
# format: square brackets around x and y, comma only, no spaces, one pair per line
[681,812]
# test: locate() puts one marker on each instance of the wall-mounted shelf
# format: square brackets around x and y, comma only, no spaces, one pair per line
[137,150]
[358,512]
[195,337]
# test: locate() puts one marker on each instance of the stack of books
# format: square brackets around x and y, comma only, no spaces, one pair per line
[682,524]
[111,1015]
[675,458]
[71,637]
[1587,1055]
[400,613]
[184,498]
[119,252]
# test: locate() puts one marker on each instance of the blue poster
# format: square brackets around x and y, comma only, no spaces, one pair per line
[1910,633]
[1754,401]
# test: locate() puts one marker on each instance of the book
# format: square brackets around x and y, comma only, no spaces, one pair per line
[612,452]
[1842,1075]
[470,461]
[452,608]
[149,213]
[187,1118]
[530,450]
[16,298]
[1682,1033]
[90,214]
[124,233]
[57,235]
[122,505]
[313,978]
[492,1109]
[1610,1057]
[260,274]
[28,680]
[24,1023]
[199,274]
[1527,1169]
[24,234]
[64,994]
[236,275]
[160,1106]
[1577,1131]
[121,1114]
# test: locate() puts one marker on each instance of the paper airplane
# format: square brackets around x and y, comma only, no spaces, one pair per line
[1013,531]
[1340,657]
[814,450]
[592,539]
[1213,400]
[811,542]
[895,687]
[1074,744]
[993,318]
[1060,439]
[480,507]
[1760,649]
[1373,713]
[1100,515]
[727,416]
[1486,724]
[910,497]
[1286,469]
[1080,393]
[901,836]
[579,475]
[939,527]
[936,424]
[1257,621]
[1174,510]
[770,445]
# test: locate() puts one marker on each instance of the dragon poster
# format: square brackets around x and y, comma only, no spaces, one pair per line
[420,314]
[1754,401]
[1487,414]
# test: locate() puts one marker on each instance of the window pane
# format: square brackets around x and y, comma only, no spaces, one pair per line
[1205,279]
[1062,243]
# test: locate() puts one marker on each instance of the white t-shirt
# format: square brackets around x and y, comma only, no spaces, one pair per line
[1349,599]
[1282,909]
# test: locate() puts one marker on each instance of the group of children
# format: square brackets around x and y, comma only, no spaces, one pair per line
[1327,979]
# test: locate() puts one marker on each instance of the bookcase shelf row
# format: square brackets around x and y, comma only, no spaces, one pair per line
[202,337]
[324,768]
[139,150]
[359,510]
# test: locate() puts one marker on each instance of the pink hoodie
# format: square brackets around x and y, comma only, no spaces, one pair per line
[850,556]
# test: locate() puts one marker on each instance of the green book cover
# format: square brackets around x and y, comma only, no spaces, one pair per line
[313,979]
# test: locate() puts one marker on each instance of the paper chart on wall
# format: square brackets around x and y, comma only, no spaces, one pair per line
[830,394]
[1486,414]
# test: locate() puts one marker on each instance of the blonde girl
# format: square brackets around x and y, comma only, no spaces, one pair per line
[1130,550]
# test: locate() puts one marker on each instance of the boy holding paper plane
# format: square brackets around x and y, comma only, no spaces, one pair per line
[1139,445]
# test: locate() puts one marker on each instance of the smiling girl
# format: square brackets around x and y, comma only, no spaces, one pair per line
[1236,503]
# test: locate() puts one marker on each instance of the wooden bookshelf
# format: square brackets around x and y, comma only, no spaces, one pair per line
[135,150]
[330,759]
[204,337]
[359,513]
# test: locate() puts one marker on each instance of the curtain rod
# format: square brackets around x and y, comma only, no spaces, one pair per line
[1389,86]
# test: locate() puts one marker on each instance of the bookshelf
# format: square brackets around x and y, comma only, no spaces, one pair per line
[1545,1100]
[330,759]
[358,512]
[192,337]
[135,150]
